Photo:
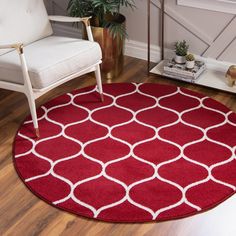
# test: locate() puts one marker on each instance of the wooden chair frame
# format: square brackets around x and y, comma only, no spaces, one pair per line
[31,93]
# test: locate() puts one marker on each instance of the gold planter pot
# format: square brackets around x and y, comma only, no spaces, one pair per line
[112,50]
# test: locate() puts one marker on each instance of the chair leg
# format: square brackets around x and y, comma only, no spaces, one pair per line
[99,81]
[33,112]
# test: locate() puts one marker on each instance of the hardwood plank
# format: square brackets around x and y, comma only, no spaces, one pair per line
[22,213]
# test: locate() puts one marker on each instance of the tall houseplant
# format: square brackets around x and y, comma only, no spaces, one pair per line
[108,27]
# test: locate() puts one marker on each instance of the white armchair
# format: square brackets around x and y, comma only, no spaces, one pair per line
[32,60]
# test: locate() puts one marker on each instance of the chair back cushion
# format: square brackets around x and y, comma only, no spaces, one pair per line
[23,21]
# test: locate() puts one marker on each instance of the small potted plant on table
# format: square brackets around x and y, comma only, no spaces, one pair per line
[190,61]
[181,50]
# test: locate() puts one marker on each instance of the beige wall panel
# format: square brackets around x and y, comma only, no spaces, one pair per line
[209,22]
[199,27]
[177,32]
[209,33]
[230,53]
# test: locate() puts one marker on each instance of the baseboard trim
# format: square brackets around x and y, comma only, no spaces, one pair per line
[139,49]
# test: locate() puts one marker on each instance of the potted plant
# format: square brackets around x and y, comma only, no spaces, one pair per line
[181,50]
[190,61]
[108,27]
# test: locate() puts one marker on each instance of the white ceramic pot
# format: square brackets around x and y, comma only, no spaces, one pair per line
[190,64]
[180,59]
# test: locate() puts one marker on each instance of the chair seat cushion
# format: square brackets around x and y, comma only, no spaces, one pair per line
[49,60]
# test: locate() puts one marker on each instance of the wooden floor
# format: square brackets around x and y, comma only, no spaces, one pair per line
[23,214]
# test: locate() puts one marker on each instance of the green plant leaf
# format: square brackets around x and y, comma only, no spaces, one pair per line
[116,29]
[99,9]
[181,48]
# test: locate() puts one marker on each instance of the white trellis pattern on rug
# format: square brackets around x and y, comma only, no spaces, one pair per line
[149,152]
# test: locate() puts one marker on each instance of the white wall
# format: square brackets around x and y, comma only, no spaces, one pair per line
[210,34]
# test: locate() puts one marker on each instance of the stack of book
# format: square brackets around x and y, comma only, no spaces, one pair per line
[181,72]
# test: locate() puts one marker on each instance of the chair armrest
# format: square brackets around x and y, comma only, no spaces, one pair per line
[17,46]
[68,19]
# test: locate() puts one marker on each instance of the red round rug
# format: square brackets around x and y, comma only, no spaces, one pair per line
[148,152]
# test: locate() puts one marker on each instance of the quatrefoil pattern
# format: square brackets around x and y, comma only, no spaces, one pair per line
[148,152]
